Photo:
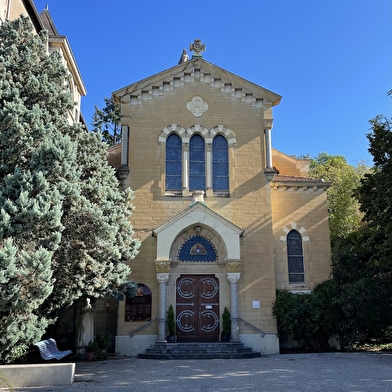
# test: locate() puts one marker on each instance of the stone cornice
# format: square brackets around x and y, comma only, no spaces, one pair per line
[197,71]
[293,183]
[300,187]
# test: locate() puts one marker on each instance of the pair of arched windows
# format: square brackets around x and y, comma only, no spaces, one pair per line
[197,168]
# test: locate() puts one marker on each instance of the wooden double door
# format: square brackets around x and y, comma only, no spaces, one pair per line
[197,308]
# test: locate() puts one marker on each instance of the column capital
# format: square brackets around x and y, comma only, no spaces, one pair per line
[233,277]
[233,265]
[162,278]
[162,266]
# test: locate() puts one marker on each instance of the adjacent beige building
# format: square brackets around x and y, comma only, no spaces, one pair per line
[13,9]
[224,219]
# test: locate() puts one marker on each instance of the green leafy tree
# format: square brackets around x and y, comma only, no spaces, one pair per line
[30,205]
[97,240]
[344,213]
[106,121]
[362,266]
[375,192]
[308,319]
[375,197]
[64,224]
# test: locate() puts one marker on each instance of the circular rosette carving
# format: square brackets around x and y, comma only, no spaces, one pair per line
[210,288]
[209,321]
[184,288]
[185,321]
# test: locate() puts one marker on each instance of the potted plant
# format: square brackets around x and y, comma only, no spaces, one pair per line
[226,325]
[171,325]
[91,350]
[103,342]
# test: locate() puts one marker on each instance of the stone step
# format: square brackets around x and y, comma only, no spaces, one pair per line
[199,351]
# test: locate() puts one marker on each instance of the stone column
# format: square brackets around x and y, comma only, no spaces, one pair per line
[162,279]
[269,170]
[233,277]
[268,147]
[185,169]
[162,268]
[209,190]
[124,146]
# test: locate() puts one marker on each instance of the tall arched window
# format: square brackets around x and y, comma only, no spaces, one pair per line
[295,258]
[173,163]
[197,163]
[220,164]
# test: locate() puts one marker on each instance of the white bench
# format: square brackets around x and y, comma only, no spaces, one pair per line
[48,350]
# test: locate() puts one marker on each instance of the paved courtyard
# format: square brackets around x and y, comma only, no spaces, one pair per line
[354,372]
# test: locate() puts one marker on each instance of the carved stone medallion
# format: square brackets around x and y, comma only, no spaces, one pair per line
[197,106]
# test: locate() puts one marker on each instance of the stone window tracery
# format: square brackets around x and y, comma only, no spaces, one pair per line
[295,258]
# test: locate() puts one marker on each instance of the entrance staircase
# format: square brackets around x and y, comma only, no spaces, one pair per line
[218,350]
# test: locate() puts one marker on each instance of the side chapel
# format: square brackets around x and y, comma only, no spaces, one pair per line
[224,219]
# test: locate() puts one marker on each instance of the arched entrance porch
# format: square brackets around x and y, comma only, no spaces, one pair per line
[198,250]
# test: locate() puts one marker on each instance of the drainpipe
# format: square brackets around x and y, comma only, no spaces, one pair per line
[7,16]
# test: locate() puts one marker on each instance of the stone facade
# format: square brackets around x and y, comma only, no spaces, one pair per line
[12,9]
[269,195]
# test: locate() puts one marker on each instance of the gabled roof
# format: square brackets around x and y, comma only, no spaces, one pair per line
[48,22]
[198,213]
[198,207]
[205,72]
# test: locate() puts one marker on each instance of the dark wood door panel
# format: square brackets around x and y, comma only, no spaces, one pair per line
[197,308]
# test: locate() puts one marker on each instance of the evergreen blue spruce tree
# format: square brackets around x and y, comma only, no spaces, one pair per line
[64,224]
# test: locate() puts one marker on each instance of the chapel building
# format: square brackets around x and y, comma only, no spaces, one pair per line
[223,218]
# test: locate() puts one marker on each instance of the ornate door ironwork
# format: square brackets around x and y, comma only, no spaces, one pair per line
[197,308]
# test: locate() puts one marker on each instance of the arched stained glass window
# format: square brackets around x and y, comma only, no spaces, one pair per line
[295,258]
[197,249]
[197,163]
[220,164]
[173,163]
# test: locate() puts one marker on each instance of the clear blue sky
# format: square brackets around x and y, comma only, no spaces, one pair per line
[331,60]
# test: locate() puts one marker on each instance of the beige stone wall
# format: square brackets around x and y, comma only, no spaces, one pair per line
[304,210]
[262,212]
[12,9]
[247,207]
[114,155]
[289,166]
